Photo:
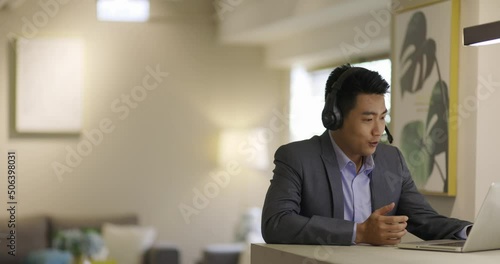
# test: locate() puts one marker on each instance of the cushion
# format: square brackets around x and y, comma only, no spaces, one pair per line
[127,243]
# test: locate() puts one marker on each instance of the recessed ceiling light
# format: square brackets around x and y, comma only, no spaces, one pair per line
[123,10]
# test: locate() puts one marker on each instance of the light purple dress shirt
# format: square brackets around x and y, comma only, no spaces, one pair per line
[356,187]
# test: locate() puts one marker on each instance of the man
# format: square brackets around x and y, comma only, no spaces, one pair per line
[343,187]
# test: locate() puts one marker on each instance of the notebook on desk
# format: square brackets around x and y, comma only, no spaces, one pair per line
[485,235]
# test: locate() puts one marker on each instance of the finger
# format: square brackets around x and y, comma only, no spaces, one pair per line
[394,219]
[385,209]
[395,235]
[392,228]
[391,241]
[395,228]
[400,234]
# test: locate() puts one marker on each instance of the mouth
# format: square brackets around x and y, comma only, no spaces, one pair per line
[373,144]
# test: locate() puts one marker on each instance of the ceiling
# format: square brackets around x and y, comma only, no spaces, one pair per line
[263,21]
[306,32]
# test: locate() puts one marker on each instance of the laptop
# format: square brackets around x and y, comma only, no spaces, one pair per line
[485,235]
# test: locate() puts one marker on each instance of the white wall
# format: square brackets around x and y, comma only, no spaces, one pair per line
[488,106]
[463,205]
[166,148]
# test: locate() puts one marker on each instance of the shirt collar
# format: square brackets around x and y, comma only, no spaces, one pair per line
[343,160]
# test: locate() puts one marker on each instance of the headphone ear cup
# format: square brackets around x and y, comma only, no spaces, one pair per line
[331,117]
[327,115]
[337,114]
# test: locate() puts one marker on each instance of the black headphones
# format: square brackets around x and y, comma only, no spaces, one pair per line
[331,115]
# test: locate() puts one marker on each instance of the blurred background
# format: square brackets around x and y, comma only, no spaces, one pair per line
[182,110]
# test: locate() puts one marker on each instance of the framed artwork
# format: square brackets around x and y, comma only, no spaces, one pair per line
[49,85]
[425,45]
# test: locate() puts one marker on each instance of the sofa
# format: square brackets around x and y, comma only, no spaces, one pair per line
[35,233]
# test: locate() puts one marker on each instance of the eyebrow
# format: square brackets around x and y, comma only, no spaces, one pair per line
[373,113]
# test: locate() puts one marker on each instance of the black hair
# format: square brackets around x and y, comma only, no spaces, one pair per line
[360,82]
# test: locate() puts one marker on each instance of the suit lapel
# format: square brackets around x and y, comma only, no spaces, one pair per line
[380,189]
[333,175]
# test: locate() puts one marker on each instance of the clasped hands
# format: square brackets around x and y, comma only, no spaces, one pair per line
[380,229]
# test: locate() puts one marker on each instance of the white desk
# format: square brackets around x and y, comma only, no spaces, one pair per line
[312,254]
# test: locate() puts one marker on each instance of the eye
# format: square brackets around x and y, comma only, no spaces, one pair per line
[367,119]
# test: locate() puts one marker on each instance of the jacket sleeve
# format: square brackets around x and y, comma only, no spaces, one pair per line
[282,222]
[424,222]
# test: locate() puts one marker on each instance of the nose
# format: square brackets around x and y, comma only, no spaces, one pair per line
[378,128]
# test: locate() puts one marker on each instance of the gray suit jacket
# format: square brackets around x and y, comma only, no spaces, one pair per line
[305,201]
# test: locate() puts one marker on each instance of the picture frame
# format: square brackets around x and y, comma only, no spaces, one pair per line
[425,59]
[48,85]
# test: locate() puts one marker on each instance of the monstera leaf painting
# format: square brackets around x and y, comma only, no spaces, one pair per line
[422,141]
[418,156]
[418,55]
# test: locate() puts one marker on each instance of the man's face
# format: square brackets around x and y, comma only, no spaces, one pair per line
[362,127]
